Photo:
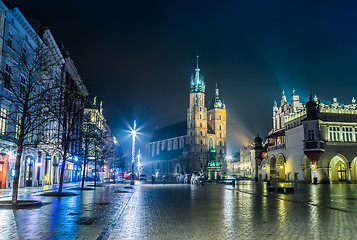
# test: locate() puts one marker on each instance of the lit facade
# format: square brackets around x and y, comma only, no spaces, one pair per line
[312,142]
[197,144]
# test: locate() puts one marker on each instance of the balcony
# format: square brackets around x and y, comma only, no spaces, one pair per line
[276,147]
[314,145]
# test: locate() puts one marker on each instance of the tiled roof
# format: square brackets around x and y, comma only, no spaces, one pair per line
[172,131]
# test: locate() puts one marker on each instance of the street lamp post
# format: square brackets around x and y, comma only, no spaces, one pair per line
[139,163]
[133,134]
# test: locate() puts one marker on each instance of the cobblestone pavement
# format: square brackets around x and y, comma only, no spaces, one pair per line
[77,217]
[182,211]
[247,211]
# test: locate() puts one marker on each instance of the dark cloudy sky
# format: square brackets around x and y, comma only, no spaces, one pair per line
[138,56]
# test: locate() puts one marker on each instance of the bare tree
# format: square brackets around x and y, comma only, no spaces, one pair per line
[67,108]
[28,79]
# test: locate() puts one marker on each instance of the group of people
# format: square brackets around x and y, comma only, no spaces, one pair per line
[153,179]
[195,178]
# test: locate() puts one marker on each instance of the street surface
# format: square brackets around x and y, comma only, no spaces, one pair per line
[183,211]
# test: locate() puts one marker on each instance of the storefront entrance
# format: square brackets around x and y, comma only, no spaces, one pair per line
[29,171]
[3,170]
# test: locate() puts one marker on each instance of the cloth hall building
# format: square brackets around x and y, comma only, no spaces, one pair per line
[197,144]
[313,142]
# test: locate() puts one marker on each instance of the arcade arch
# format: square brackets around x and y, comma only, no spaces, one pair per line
[306,168]
[338,168]
[280,167]
[354,170]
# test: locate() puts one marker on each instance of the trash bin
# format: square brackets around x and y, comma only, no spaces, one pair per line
[315,180]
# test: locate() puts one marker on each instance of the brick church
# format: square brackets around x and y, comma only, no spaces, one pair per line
[197,144]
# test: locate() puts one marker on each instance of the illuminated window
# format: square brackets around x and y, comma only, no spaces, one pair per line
[334,133]
[158,148]
[3,119]
[153,150]
[210,117]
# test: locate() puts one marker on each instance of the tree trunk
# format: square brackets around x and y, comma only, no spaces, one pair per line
[15,187]
[62,171]
[84,164]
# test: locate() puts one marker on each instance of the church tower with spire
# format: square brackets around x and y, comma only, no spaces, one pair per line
[206,130]
[197,121]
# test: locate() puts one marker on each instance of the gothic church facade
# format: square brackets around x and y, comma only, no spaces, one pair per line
[197,144]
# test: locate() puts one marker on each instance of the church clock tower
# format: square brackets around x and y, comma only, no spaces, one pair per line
[197,121]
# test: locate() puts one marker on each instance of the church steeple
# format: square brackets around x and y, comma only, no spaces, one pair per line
[197,83]
[216,102]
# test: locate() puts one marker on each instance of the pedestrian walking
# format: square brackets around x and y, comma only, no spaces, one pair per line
[152,179]
[163,179]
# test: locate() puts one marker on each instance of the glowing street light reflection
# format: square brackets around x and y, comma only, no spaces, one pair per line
[133,134]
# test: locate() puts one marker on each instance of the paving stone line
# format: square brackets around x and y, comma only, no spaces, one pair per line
[289,200]
[110,226]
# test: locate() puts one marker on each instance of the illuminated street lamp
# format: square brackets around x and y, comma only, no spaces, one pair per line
[133,134]
[139,156]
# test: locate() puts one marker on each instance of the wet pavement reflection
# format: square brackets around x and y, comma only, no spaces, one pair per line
[183,211]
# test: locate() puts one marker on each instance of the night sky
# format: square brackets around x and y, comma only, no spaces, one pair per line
[138,56]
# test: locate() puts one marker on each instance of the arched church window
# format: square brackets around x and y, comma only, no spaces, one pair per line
[211,143]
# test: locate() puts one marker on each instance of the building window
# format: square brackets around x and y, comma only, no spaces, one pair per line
[169,145]
[310,134]
[3,119]
[220,127]
[162,146]
[153,150]
[200,109]
[334,133]
[158,148]
[175,145]
[200,116]
[7,76]
[200,124]
[201,141]
[10,40]
[220,116]
[210,117]
[347,134]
